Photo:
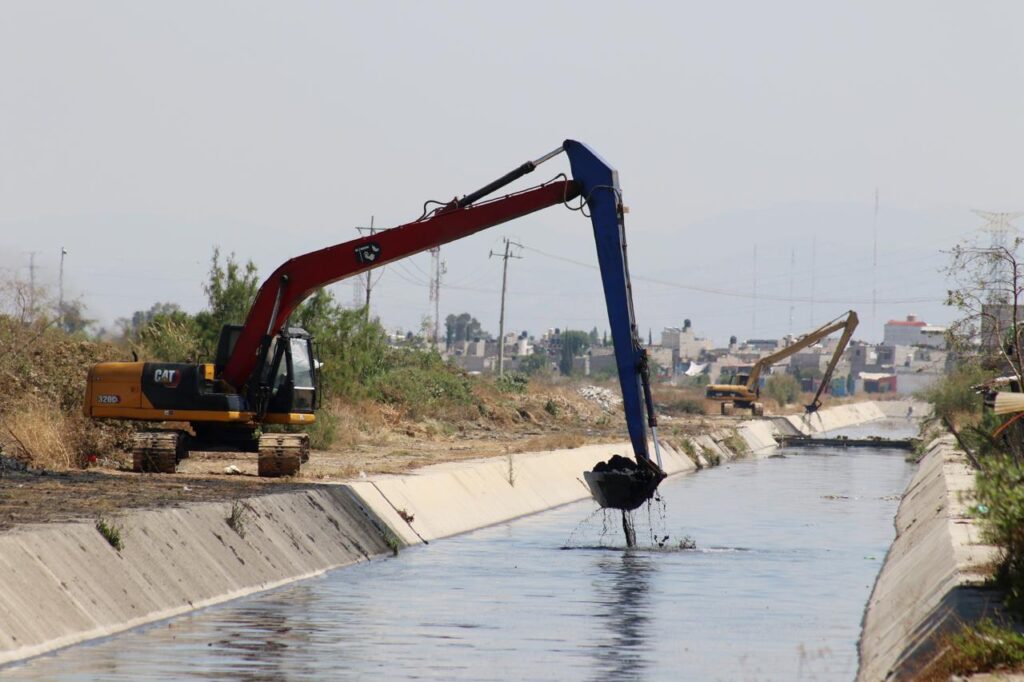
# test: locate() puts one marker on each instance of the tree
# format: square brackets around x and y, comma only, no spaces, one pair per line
[71,317]
[573,343]
[988,283]
[535,363]
[595,340]
[130,327]
[782,388]
[230,291]
[353,350]
[463,327]
[172,337]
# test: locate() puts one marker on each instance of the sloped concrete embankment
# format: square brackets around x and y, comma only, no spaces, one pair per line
[933,574]
[65,583]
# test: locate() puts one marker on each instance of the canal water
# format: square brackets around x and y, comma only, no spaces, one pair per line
[787,550]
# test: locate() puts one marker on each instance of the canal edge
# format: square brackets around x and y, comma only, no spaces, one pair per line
[67,584]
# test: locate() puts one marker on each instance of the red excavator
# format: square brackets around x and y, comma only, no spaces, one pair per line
[265,371]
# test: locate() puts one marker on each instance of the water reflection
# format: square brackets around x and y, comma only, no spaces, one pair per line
[258,640]
[622,592]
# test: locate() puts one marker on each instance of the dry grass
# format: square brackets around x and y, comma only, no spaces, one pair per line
[42,435]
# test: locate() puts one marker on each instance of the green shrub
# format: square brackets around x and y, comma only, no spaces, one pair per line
[324,430]
[1000,494]
[512,382]
[782,388]
[982,647]
[424,385]
[536,363]
[952,396]
[684,406]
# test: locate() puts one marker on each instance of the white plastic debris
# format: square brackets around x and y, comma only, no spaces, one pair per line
[602,396]
[232,469]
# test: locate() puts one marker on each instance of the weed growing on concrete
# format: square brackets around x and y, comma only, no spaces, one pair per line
[511,471]
[981,647]
[736,444]
[392,541]
[111,533]
[687,446]
[239,518]
[710,456]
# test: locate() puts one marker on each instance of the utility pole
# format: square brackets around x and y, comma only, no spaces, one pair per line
[438,268]
[60,288]
[792,267]
[504,285]
[369,273]
[814,259]
[753,315]
[874,265]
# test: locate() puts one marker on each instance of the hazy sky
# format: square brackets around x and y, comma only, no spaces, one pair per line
[141,135]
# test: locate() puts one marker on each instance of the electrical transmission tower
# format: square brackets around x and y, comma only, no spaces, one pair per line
[504,283]
[999,226]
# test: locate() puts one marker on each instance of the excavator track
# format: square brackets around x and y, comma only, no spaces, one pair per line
[158,451]
[281,454]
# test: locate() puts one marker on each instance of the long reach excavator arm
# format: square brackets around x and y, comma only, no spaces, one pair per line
[745,390]
[264,371]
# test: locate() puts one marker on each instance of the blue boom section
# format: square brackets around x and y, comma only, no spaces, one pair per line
[599,185]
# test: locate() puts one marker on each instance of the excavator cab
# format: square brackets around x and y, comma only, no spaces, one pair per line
[287,388]
[290,376]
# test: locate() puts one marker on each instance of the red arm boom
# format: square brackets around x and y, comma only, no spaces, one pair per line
[301,276]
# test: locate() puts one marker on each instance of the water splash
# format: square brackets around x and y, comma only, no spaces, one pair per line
[638,533]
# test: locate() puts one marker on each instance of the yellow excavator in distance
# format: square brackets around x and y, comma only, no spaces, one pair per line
[744,391]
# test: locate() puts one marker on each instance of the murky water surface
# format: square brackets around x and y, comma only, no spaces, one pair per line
[787,551]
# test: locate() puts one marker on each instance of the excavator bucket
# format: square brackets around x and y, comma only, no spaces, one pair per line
[623,484]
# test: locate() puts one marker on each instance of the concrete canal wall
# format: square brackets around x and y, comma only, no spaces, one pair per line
[65,583]
[932,576]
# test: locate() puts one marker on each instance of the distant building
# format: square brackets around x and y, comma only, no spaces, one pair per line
[996,320]
[913,332]
[878,382]
[762,345]
[684,341]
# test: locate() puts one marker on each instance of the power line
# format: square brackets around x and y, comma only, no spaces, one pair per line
[739,294]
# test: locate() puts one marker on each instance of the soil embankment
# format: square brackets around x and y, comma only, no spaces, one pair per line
[68,583]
